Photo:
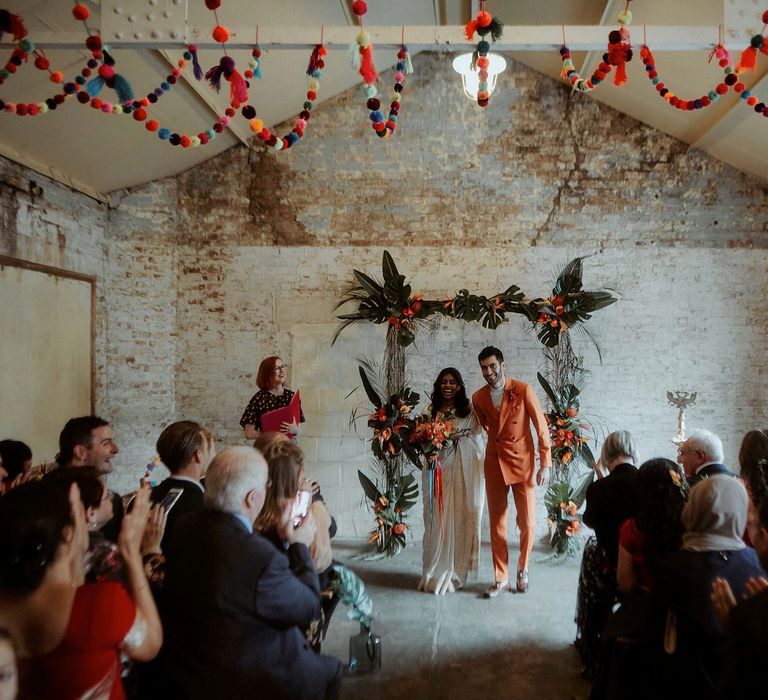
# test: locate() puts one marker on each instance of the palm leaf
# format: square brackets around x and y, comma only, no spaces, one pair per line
[369,488]
[580,491]
[547,389]
[388,267]
[569,279]
[373,288]
[369,390]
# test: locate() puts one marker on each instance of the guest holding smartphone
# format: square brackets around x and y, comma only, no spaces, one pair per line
[290,495]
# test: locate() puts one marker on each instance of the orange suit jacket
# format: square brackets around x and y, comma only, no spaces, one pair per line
[510,443]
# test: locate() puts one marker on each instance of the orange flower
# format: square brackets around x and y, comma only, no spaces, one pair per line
[543,318]
[399,529]
[571,411]
[383,500]
[405,409]
[374,537]
[559,310]
[394,321]
[408,312]
[567,457]
[560,421]
[571,508]
[554,323]
[385,434]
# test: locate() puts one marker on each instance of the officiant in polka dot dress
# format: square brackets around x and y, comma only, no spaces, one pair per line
[271,396]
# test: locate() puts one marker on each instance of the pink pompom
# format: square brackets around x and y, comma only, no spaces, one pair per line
[106,107]
[224,120]
[301,123]
[399,77]
[106,72]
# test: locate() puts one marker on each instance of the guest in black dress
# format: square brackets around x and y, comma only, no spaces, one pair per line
[611,500]
[272,395]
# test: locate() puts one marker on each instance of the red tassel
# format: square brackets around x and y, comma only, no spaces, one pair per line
[748,58]
[367,69]
[238,90]
[620,77]
[470,29]
[18,28]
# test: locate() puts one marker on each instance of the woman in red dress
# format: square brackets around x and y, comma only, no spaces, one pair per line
[69,635]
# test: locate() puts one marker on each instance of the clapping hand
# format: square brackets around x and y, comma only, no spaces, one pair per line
[134,524]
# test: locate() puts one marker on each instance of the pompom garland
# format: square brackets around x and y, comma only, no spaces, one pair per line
[314,74]
[570,73]
[385,128]
[483,24]
[13,24]
[724,60]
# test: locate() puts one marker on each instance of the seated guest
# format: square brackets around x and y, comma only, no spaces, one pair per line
[632,636]
[657,529]
[87,442]
[611,500]
[233,604]
[187,449]
[714,519]
[701,456]
[16,461]
[746,622]
[9,676]
[69,635]
[753,465]
[286,477]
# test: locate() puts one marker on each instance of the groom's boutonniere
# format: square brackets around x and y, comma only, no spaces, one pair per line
[513,396]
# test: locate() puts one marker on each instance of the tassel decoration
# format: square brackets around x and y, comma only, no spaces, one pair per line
[123,89]
[353,56]
[238,90]
[619,54]
[196,69]
[470,29]
[108,60]
[367,69]
[13,24]
[315,59]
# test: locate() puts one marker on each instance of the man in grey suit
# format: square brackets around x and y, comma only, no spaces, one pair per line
[233,604]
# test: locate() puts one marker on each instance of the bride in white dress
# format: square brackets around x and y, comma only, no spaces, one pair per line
[451,546]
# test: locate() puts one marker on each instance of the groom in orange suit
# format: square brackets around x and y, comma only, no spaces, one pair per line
[506,408]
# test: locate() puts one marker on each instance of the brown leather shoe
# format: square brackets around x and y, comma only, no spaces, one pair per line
[522,581]
[496,588]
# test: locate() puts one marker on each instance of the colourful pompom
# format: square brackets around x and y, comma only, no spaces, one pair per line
[220,34]
[80,12]
[213,4]
[359,8]
[56,76]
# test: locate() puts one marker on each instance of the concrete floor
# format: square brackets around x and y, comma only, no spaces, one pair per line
[460,646]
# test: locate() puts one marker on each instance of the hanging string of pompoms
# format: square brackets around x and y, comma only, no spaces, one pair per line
[483,25]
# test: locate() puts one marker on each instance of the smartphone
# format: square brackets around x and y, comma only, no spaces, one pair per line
[300,507]
[170,499]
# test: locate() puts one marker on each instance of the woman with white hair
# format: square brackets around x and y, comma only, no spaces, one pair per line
[611,500]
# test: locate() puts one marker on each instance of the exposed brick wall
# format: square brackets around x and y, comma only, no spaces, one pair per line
[246,255]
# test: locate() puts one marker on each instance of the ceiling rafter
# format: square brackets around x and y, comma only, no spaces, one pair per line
[431,38]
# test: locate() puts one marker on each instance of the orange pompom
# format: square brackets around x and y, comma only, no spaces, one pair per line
[220,34]
[80,12]
[56,76]
[484,19]
[483,62]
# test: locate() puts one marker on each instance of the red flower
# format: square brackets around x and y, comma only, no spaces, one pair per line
[399,529]
[394,321]
[408,312]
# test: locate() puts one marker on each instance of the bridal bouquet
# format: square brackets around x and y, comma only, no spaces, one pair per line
[431,436]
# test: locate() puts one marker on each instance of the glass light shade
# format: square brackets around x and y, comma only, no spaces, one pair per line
[469,77]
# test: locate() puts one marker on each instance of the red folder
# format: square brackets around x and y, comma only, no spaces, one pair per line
[273,420]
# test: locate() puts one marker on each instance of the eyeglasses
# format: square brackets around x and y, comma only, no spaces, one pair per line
[279,368]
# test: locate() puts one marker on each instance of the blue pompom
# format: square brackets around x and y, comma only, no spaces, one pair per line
[165,86]
[377,116]
[164,133]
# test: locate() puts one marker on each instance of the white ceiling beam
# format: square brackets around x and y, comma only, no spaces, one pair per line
[204,93]
[430,38]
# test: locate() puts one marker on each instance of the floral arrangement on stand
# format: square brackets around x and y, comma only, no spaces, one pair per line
[563,501]
[392,425]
